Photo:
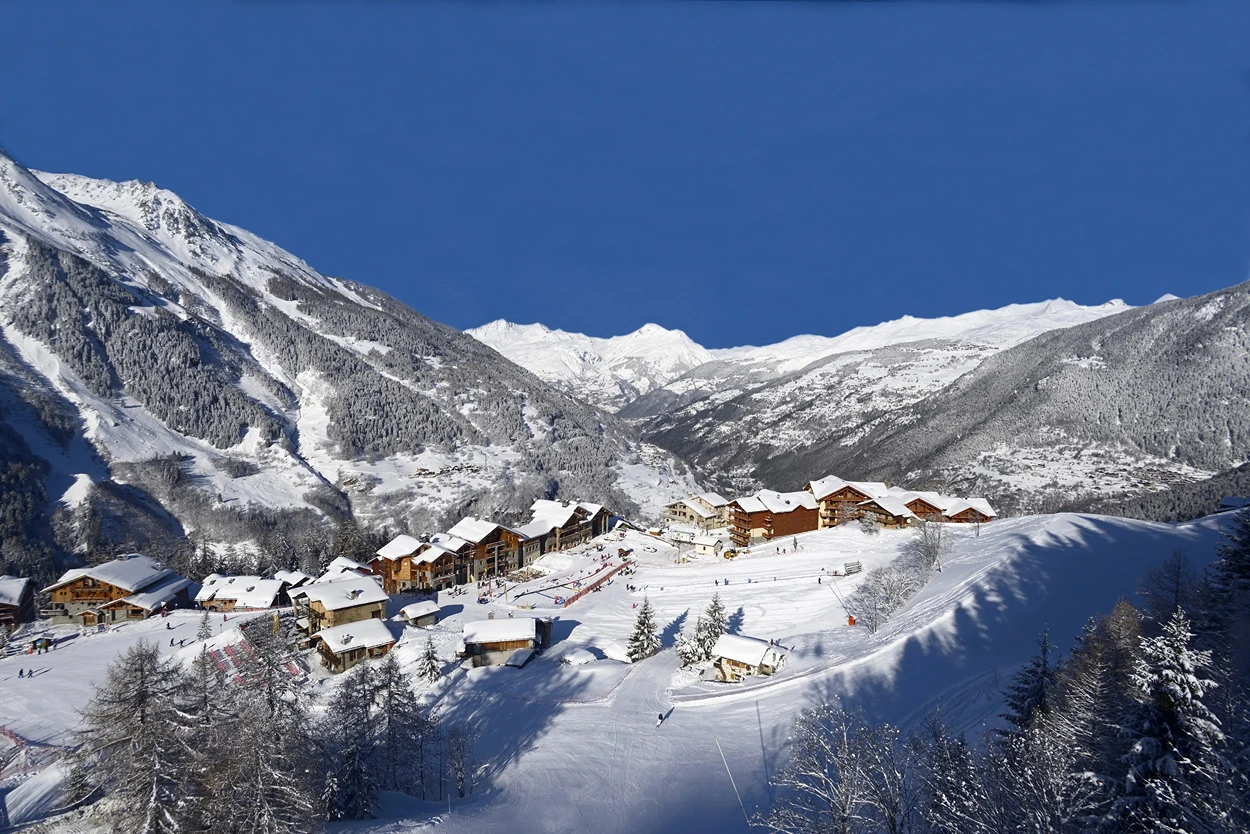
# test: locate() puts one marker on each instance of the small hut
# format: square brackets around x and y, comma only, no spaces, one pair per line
[420,613]
[734,657]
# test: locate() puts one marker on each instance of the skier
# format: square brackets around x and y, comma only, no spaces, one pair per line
[21,673]
[659,719]
[796,543]
[171,642]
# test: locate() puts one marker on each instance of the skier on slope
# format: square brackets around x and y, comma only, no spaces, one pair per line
[659,719]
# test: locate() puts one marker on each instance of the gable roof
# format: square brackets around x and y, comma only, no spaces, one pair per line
[419,609]
[341,566]
[365,634]
[699,509]
[750,504]
[294,578]
[449,542]
[399,547]
[154,595]
[13,589]
[749,650]
[714,498]
[473,529]
[345,593]
[130,573]
[500,631]
[707,541]
[786,502]
[246,591]
[822,488]
[891,505]
[979,504]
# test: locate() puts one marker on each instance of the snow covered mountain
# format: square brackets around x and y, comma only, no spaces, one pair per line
[158,364]
[609,373]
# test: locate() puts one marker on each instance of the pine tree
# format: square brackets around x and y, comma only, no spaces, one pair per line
[709,628]
[402,729]
[350,732]
[428,668]
[205,630]
[136,729]
[645,641]
[1029,694]
[1174,763]
[687,646]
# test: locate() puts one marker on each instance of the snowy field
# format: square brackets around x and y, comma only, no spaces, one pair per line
[575,747]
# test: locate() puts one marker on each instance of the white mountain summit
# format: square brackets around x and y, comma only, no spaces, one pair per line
[615,372]
[607,372]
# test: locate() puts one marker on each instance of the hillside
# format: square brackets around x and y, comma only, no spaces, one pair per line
[1125,405]
[184,370]
[575,746]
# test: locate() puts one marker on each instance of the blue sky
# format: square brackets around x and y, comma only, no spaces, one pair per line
[742,171]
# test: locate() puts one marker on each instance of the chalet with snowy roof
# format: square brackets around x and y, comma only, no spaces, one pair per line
[563,524]
[504,642]
[409,564]
[420,613]
[889,511]
[771,515]
[241,593]
[735,657]
[839,500]
[293,578]
[699,512]
[17,601]
[341,566]
[342,647]
[929,506]
[708,545]
[495,547]
[328,604]
[127,588]
[970,511]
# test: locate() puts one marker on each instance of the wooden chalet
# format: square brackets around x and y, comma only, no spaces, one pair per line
[342,647]
[127,588]
[839,500]
[566,523]
[495,547]
[504,642]
[17,601]
[421,613]
[408,564]
[771,515]
[241,593]
[970,511]
[889,511]
[735,657]
[323,605]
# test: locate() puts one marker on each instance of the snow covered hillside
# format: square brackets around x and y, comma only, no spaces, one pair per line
[609,373]
[570,742]
[222,379]
[619,373]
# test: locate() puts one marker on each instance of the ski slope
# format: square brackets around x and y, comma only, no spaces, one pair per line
[575,747]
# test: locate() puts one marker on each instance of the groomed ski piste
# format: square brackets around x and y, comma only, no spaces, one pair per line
[570,742]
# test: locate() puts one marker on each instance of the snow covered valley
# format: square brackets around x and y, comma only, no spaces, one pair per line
[574,746]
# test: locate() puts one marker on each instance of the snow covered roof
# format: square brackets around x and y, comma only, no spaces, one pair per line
[891,505]
[12,589]
[155,595]
[419,609]
[399,547]
[445,540]
[293,578]
[979,504]
[749,650]
[534,529]
[707,541]
[339,566]
[473,529]
[345,593]
[130,573]
[824,487]
[432,553]
[501,630]
[558,513]
[713,498]
[366,634]
[699,509]
[749,504]
[246,591]
[784,502]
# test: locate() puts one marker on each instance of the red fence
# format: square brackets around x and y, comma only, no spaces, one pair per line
[594,585]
